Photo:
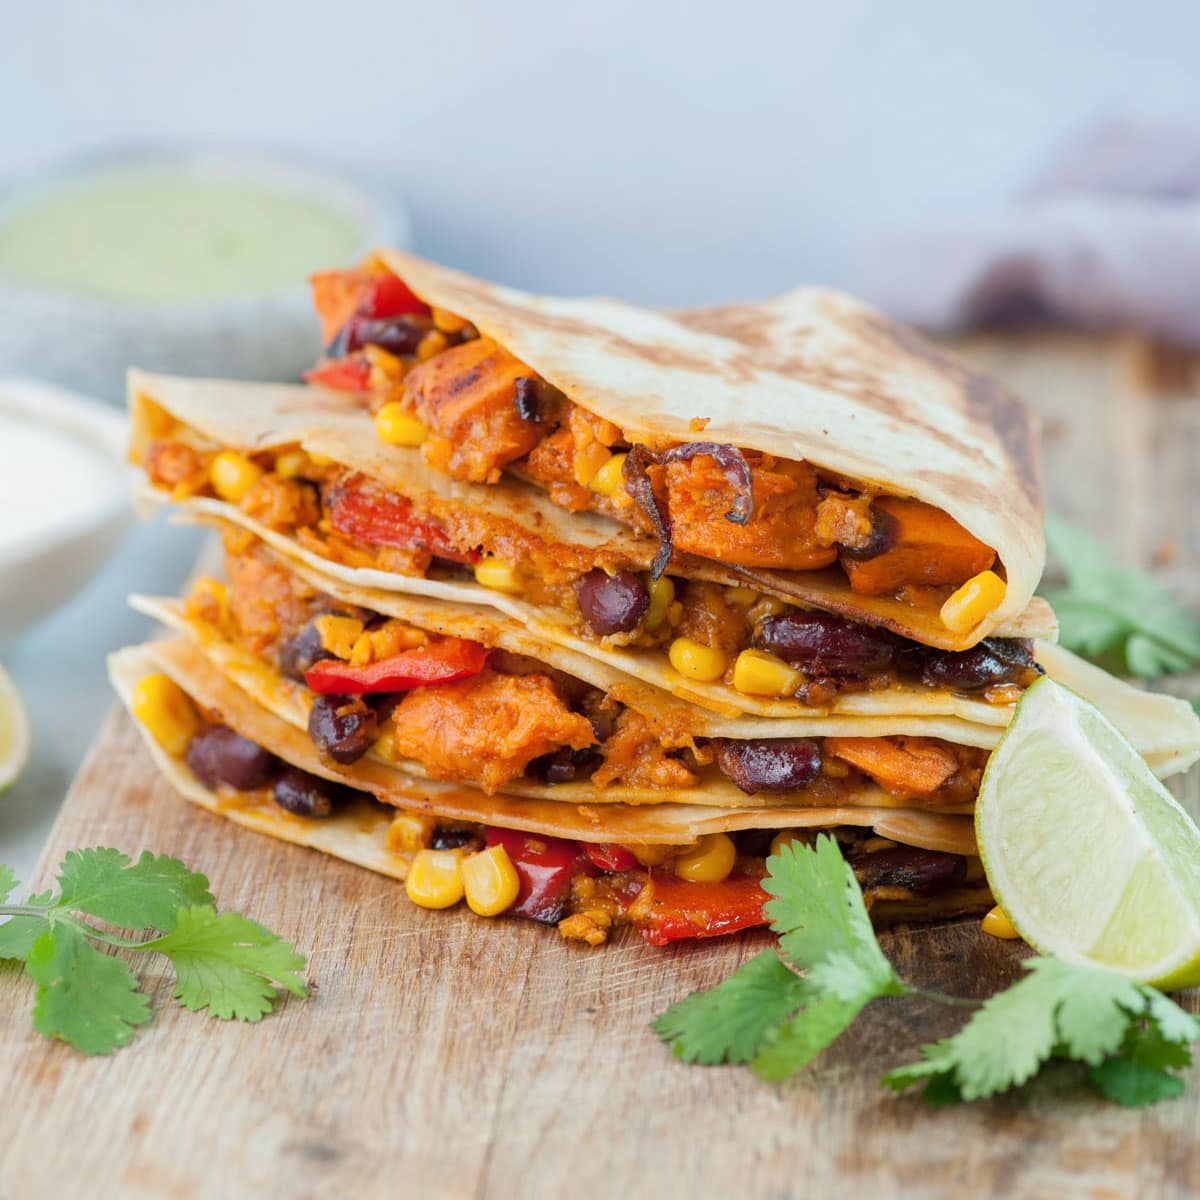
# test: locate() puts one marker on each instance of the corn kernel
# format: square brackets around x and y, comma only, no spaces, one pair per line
[758,673]
[447,322]
[398,428]
[233,475]
[167,712]
[973,601]
[290,463]
[743,597]
[498,575]
[709,861]
[764,607]
[696,661]
[490,881]
[338,634]
[434,342]
[435,878]
[785,837]
[609,479]
[998,925]
[662,596]
[409,833]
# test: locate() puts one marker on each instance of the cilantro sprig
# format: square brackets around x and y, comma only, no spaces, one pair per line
[1123,618]
[224,963]
[782,1008]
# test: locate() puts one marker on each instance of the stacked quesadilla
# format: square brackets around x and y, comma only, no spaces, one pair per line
[575,610]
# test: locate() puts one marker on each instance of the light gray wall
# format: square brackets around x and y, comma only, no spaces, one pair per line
[671,152]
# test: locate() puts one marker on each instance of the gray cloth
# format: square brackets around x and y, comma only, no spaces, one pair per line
[1108,237]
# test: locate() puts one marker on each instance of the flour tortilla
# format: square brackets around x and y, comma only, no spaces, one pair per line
[1165,730]
[812,374]
[356,834]
[257,417]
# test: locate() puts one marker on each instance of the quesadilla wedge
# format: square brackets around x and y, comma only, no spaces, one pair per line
[803,447]
[585,869]
[269,597]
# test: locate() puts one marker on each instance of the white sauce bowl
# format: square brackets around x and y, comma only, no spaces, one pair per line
[64,497]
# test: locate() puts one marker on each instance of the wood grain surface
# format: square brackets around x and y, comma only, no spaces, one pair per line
[444,1056]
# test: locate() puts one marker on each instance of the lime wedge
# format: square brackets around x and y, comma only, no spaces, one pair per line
[15,733]
[1093,860]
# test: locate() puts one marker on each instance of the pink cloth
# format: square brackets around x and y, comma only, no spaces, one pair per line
[1109,236]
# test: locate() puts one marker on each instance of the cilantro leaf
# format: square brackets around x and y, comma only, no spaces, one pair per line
[728,1023]
[1134,1084]
[228,964]
[825,929]
[84,997]
[146,894]
[8,882]
[795,1043]
[18,934]
[1121,616]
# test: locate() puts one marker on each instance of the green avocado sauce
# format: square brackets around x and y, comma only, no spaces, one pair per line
[160,237]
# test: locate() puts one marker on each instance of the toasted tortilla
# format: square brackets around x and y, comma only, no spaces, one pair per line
[812,374]
[338,426]
[1165,730]
[651,824]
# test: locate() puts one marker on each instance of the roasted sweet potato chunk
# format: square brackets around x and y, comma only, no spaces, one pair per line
[466,395]
[904,766]
[930,548]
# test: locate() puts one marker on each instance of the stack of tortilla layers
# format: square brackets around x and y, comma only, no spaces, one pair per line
[579,610]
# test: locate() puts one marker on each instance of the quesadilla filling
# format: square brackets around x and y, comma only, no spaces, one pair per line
[751,642]
[707,888]
[477,713]
[477,411]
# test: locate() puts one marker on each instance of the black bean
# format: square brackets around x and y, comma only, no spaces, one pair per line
[308,795]
[612,603]
[342,727]
[921,871]
[564,765]
[992,661]
[219,755]
[299,652]
[885,532]
[452,839]
[822,644]
[397,335]
[537,401]
[770,764]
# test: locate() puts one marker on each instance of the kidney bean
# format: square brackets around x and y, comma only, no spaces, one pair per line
[219,755]
[342,727]
[308,795]
[770,764]
[921,871]
[397,335]
[612,603]
[822,644]
[300,651]
[992,661]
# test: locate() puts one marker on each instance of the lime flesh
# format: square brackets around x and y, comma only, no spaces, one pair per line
[1093,860]
[15,734]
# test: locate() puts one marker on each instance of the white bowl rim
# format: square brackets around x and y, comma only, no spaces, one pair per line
[382,217]
[78,418]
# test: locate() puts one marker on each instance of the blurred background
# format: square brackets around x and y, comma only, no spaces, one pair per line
[957,163]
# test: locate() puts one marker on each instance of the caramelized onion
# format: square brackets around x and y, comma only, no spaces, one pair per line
[641,492]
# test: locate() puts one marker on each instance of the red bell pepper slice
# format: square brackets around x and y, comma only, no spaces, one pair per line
[610,857]
[669,909]
[340,295]
[343,375]
[545,866]
[385,519]
[438,662]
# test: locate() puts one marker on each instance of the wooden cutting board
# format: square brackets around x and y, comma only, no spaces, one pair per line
[442,1055]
